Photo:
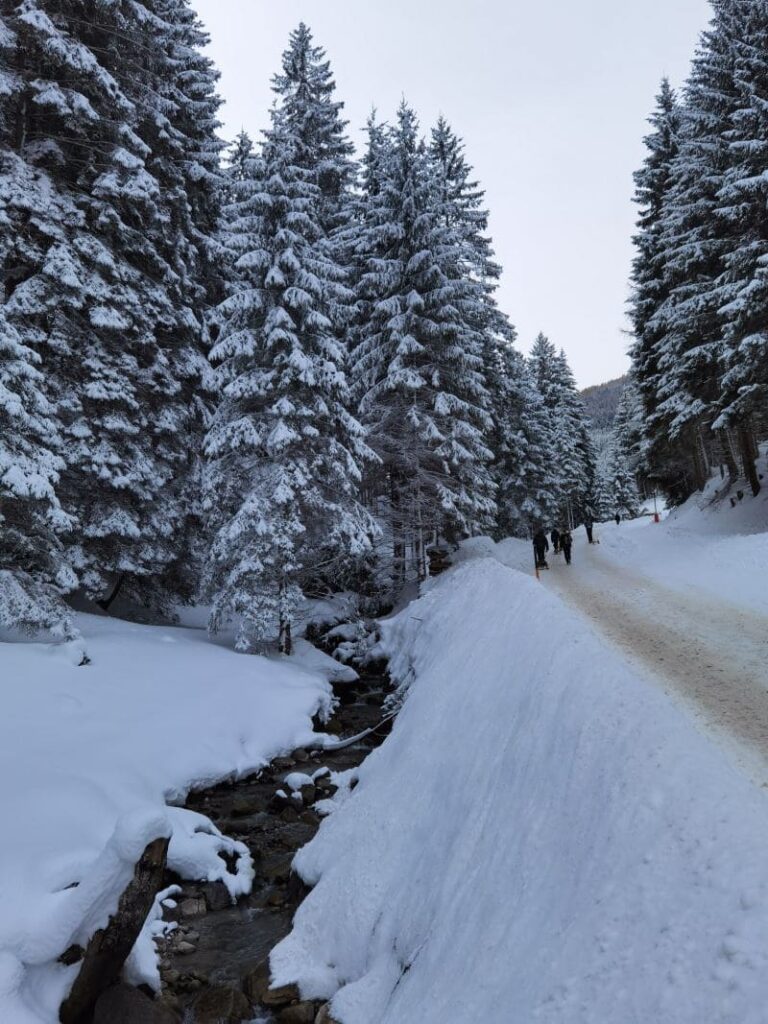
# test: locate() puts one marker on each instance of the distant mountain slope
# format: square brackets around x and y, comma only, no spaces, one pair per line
[602,400]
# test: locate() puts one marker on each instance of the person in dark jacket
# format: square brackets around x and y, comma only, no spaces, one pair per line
[589,526]
[565,545]
[540,548]
[617,517]
[555,536]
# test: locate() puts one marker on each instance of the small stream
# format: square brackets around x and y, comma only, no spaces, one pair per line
[220,952]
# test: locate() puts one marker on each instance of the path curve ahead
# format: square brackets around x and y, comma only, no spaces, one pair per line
[712,654]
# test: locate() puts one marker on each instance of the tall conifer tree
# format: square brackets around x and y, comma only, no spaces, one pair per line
[741,209]
[525,467]
[419,361]
[285,454]
[694,240]
[107,283]
[650,280]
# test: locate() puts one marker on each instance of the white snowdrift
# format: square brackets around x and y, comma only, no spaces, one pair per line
[706,546]
[543,838]
[88,757]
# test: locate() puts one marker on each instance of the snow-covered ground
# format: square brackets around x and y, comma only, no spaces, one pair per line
[545,837]
[706,546]
[687,600]
[88,758]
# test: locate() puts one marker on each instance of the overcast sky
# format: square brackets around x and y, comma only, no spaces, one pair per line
[551,99]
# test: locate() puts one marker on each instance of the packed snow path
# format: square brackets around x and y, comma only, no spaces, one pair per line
[709,652]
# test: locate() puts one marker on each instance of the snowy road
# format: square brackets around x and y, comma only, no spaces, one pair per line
[710,653]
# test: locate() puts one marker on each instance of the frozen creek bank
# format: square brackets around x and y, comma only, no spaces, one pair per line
[90,758]
[215,963]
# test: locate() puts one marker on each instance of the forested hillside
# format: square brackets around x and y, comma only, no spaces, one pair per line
[601,402]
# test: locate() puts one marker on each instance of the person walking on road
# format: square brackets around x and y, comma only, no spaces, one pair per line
[617,517]
[566,542]
[555,536]
[589,525]
[540,548]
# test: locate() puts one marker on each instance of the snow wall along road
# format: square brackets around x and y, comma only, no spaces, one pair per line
[543,838]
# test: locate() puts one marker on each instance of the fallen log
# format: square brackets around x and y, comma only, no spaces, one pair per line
[109,946]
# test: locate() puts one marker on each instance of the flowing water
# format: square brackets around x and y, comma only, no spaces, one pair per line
[225,946]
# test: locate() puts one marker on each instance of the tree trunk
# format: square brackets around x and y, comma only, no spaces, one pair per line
[699,473]
[285,643]
[398,540]
[421,548]
[109,947]
[748,456]
[703,454]
[106,603]
[729,454]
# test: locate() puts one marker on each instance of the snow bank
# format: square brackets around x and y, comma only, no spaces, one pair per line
[543,838]
[88,757]
[707,545]
[512,552]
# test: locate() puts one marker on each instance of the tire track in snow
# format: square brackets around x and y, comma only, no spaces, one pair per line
[711,654]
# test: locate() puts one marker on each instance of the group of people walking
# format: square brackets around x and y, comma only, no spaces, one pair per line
[561,541]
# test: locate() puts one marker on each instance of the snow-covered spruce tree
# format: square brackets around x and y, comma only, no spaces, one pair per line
[419,358]
[69,295]
[463,210]
[629,426]
[240,162]
[694,239]
[617,488]
[517,418]
[305,92]
[178,123]
[524,468]
[573,450]
[741,209]
[102,281]
[542,368]
[284,453]
[187,83]
[33,571]
[618,475]
[542,362]
[650,284]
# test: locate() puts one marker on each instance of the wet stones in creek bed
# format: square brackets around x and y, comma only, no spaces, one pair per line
[256,982]
[274,821]
[299,1013]
[247,806]
[221,1004]
[216,896]
[192,906]
[324,1015]
[277,998]
[123,1004]
[276,867]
